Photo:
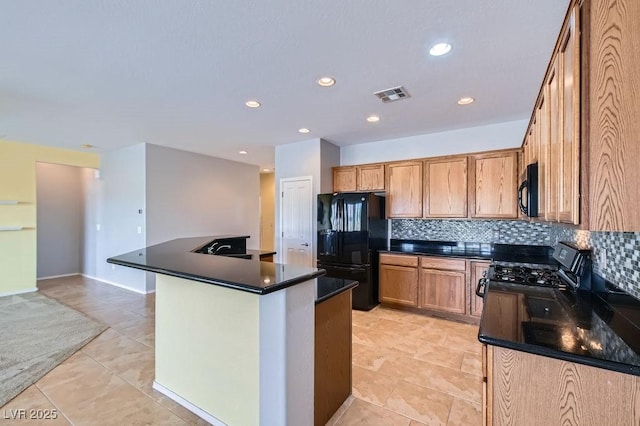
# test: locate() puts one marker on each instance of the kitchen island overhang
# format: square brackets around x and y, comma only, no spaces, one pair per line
[235,349]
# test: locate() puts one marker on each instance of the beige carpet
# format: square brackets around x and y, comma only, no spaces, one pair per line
[36,334]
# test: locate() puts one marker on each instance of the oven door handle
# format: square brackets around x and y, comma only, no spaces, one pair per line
[481,287]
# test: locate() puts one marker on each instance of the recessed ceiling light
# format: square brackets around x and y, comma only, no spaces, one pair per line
[243,152]
[466,100]
[87,146]
[252,104]
[440,49]
[326,81]
[266,170]
[373,119]
[304,130]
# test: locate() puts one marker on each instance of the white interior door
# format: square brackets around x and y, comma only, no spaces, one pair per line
[296,204]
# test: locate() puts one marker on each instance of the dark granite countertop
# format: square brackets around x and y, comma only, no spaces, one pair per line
[596,328]
[329,287]
[483,251]
[176,258]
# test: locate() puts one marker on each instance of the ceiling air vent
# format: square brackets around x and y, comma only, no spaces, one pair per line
[393,94]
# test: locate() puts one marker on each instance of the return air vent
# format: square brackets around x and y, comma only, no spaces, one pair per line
[393,94]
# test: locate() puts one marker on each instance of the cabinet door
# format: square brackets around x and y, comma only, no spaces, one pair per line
[344,179]
[404,189]
[487,385]
[553,152]
[445,183]
[478,270]
[568,176]
[612,122]
[493,185]
[543,148]
[443,290]
[399,285]
[370,177]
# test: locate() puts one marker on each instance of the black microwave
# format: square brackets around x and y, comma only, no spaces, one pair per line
[528,191]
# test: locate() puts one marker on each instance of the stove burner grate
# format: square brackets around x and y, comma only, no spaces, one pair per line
[527,276]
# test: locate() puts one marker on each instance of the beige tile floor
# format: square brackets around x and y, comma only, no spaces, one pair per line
[408,369]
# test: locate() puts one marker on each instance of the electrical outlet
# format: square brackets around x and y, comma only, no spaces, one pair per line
[97,226]
[113,266]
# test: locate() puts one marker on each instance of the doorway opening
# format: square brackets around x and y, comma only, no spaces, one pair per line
[64,219]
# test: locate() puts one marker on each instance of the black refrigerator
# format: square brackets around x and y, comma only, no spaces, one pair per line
[351,229]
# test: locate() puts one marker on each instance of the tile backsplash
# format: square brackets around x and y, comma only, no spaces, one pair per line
[472,231]
[616,255]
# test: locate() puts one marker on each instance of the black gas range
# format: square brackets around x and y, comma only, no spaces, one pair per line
[571,270]
[562,310]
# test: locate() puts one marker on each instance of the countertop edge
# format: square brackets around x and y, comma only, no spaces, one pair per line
[454,255]
[229,284]
[564,356]
[337,292]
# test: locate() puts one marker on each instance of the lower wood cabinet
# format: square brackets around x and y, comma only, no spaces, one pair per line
[332,385]
[443,290]
[521,388]
[435,284]
[478,271]
[399,285]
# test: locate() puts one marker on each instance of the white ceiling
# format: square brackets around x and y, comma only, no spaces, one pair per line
[113,73]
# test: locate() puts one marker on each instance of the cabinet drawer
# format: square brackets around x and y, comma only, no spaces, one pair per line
[399,259]
[442,263]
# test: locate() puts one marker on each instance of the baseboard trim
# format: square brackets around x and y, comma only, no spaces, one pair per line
[122,286]
[12,293]
[58,276]
[186,404]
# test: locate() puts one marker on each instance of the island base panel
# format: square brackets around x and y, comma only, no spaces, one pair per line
[240,357]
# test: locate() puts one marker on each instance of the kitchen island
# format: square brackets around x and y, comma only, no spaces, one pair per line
[234,336]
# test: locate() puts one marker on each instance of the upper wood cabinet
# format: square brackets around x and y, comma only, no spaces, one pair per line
[445,187]
[569,150]
[344,179]
[493,185]
[404,189]
[612,108]
[370,177]
[543,148]
[553,148]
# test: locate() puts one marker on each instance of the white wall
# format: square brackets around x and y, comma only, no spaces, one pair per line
[472,139]
[313,158]
[120,194]
[180,194]
[194,195]
[60,219]
[329,158]
[191,195]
